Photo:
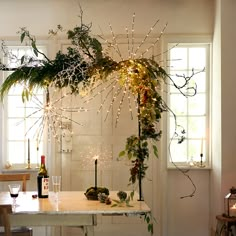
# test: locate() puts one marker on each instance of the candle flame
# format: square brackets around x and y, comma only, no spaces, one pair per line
[95,157]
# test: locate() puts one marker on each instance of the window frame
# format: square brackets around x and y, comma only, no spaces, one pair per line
[193,41]
[4,116]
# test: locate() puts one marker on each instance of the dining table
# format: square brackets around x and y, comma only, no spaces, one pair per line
[72,208]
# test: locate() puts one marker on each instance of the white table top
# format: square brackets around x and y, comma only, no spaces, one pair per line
[70,202]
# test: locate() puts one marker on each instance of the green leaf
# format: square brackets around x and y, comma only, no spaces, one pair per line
[33,44]
[155,150]
[122,153]
[22,60]
[132,195]
[150,228]
[130,156]
[35,52]
[22,37]
[114,200]
[23,96]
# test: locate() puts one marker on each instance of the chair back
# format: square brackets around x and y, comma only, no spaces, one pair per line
[5,210]
[23,177]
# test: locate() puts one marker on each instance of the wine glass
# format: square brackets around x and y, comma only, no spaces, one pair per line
[56,183]
[14,192]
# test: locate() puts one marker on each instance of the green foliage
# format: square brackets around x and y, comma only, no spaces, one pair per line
[123,200]
[148,218]
[137,148]
[91,47]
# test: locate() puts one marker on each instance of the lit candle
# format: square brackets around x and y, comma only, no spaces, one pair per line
[233,210]
[96,164]
[28,151]
[201,146]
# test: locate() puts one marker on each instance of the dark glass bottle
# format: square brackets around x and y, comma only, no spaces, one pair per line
[43,180]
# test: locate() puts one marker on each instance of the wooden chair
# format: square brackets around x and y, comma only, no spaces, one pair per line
[5,210]
[16,177]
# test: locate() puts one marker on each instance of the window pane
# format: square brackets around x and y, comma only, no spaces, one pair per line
[178,104]
[15,107]
[178,58]
[197,58]
[22,119]
[196,127]
[16,129]
[178,152]
[200,80]
[182,124]
[16,152]
[197,104]
[191,112]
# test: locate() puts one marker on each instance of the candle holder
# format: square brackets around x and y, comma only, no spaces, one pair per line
[28,166]
[37,165]
[230,203]
[92,192]
[199,164]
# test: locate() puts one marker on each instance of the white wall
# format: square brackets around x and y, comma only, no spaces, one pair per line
[175,217]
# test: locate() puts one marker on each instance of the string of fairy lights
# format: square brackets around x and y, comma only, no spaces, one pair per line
[121,86]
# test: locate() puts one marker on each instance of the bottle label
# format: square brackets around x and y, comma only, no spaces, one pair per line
[45,186]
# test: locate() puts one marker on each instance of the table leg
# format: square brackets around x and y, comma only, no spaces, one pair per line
[224,229]
[88,230]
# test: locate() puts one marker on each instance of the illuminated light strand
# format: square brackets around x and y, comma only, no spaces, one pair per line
[125,93]
[107,95]
[109,44]
[117,49]
[129,104]
[132,35]
[166,51]
[120,106]
[51,118]
[146,37]
[70,74]
[128,43]
[112,101]
[153,44]
[102,90]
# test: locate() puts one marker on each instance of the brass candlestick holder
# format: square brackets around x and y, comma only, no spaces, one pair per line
[199,164]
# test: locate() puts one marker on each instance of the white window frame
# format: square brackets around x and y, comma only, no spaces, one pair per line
[169,41]
[3,113]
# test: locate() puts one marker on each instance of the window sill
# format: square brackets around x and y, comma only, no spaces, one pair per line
[20,168]
[188,167]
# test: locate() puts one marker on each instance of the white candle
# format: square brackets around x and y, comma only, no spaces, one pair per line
[201,146]
[28,150]
[233,210]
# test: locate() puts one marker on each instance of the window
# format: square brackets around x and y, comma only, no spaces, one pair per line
[19,133]
[192,113]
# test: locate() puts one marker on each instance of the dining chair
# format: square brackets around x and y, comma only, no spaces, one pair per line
[5,210]
[23,177]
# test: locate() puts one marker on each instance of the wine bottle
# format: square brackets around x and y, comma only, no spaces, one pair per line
[43,180]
